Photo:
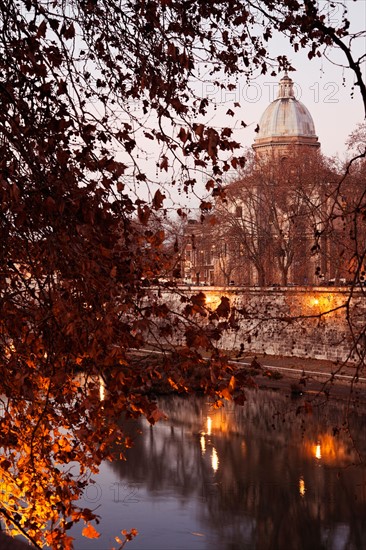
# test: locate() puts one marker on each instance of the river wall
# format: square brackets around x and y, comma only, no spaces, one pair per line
[310,322]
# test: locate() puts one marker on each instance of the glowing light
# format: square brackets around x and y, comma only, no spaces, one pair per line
[214,460]
[209,425]
[315,302]
[321,303]
[318,452]
[330,450]
[203,444]
[302,488]
[212,300]
[101,389]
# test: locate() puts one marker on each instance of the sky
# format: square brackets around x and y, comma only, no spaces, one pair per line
[323,87]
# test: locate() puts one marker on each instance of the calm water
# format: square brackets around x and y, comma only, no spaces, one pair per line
[253,477]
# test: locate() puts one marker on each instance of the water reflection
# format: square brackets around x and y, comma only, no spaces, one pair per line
[257,477]
[203,444]
[302,488]
[318,451]
[214,460]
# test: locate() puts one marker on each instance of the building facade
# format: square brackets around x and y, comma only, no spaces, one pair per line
[273,228]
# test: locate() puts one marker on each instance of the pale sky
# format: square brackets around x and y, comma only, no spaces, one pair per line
[324,88]
[318,84]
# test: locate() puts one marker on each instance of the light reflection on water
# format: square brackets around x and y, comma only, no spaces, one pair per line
[251,477]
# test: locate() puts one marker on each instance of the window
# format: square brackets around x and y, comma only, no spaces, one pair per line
[239,212]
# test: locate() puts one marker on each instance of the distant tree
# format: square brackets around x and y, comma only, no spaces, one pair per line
[350,207]
[271,215]
[245,232]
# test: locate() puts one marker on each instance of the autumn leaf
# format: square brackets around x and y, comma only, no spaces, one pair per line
[172,383]
[232,383]
[42,29]
[199,299]
[156,415]
[205,205]
[158,199]
[143,213]
[183,136]
[164,163]
[69,32]
[223,309]
[199,129]
[64,444]
[90,532]
[226,394]
[240,399]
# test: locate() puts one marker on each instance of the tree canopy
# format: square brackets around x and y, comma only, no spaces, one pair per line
[87,88]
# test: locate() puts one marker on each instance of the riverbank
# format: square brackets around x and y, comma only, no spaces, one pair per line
[294,375]
[300,376]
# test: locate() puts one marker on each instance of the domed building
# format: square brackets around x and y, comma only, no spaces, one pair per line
[285,124]
[270,229]
[272,214]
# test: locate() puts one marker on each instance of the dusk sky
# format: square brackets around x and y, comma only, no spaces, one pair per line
[318,84]
[323,85]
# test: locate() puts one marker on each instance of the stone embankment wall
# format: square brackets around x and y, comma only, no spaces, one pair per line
[311,322]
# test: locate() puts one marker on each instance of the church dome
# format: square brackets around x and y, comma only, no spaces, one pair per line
[286,121]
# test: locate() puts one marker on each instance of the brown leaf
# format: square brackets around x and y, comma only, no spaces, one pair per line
[69,32]
[240,399]
[205,205]
[164,163]
[143,213]
[213,141]
[41,32]
[158,199]
[199,299]
[183,136]
[199,128]
[223,309]
[156,415]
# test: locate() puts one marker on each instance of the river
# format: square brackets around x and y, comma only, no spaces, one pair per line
[276,473]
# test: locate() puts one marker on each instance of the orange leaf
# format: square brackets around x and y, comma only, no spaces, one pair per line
[226,394]
[90,532]
[156,415]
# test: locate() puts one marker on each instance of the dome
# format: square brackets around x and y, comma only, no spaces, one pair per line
[286,121]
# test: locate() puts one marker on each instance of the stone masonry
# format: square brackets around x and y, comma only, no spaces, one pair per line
[309,322]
